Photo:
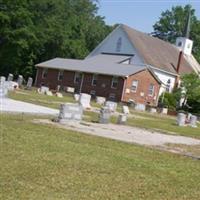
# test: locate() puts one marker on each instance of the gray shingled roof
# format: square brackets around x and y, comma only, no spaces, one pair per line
[101,65]
[158,53]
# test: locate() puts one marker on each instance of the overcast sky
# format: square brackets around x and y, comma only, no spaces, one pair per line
[139,14]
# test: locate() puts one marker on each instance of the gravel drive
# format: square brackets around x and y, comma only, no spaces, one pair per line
[9,105]
[126,133]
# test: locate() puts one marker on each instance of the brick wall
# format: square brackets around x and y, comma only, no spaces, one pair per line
[103,87]
[144,79]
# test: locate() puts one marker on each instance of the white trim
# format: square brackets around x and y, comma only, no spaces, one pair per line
[134,91]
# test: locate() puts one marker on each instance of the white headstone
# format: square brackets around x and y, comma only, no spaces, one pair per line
[70,89]
[43,90]
[76,97]
[10,77]
[181,117]
[2,80]
[100,100]
[104,117]
[111,105]
[29,83]
[49,93]
[193,121]
[20,80]
[58,94]
[140,107]
[122,118]
[164,111]
[3,91]
[125,110]
[69,111]
[153,110]
[84,100]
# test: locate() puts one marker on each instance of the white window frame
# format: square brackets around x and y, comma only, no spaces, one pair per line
[60,74]
[115,79]
[136,86]
[77,75]
[151,90]
[94,78]
[44,72]
[168,85]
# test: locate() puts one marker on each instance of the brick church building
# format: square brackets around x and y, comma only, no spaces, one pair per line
[127,65]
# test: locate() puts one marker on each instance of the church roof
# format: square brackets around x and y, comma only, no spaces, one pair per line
[93,65]
[158,53]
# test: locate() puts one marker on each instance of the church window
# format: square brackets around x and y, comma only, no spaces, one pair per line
[168,85]
[119,44]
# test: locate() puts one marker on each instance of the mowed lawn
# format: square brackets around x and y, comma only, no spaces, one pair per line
[42,162]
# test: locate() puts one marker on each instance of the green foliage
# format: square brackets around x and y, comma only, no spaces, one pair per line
[172,23]
[168,100]
[34,31]
[191,84]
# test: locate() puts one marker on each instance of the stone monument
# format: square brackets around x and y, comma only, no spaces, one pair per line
[70,111]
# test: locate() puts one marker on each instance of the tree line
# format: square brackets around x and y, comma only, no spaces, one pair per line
[35,31]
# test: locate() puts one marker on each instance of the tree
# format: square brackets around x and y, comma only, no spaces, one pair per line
[191,86]
[35,31]
[172,25]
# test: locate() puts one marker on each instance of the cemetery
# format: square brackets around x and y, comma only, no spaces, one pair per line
[56,121]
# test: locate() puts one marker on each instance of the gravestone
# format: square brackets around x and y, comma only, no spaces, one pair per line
[153,110]
[58,88]
[70,111]
[104,116]
[3,91]
[20,80]
[164,111]
[181,117]
[140,107]
[10,77]
[125,110]
[43,90]
[58,94]
[70,89]
[29,83]
[112,106]
[49,93]
[76,97]
[193,121]
[2,80]
[122,118]
[84,100]
[100,100]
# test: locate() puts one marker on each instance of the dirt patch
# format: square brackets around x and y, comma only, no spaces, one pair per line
[131,135]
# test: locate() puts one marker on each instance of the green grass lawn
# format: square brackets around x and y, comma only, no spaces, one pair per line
[42,162]
[164,124]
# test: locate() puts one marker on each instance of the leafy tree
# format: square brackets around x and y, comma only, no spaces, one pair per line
[191,85]
[172,25]
[34,31]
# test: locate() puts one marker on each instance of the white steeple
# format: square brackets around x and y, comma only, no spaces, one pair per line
[184,43]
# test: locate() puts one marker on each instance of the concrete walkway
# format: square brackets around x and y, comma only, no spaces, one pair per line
[9,105]
[125,133]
